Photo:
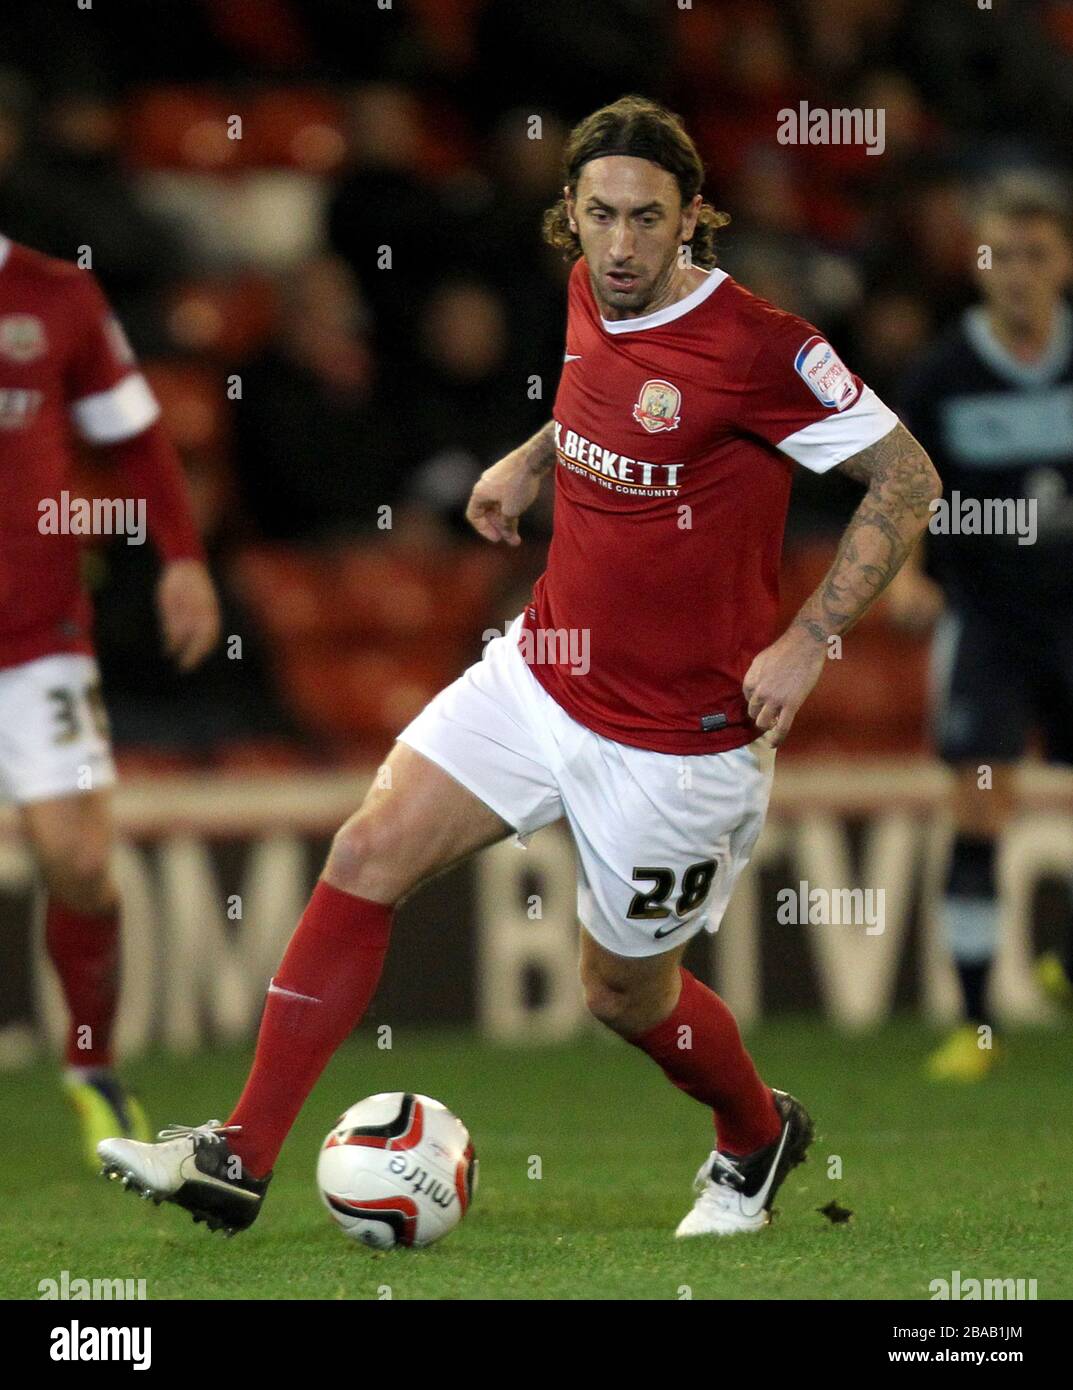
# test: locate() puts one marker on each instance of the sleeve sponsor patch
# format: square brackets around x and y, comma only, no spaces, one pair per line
[825,374]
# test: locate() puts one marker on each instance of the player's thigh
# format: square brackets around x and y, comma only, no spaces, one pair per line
[980,690]
[71,838]
[415,822]
[473,766]
[661,839]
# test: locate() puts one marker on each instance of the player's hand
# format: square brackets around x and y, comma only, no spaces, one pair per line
[499,497]
[781,678]
[914,601]
[189,612]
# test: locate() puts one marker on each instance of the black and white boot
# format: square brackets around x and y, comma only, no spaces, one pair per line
[735,1194]
[192,1166]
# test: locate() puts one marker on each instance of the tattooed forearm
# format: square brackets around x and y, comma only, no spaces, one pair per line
[538,452]
[902,484]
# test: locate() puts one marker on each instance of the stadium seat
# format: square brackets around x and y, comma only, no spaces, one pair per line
[367,694]
[182,128]
[259,756]
[192,403]
[291,593]
[296,129]
[873,699]
[229,318]
[448,25]
[362,637]
[395,593]
[371,591]
[138,762]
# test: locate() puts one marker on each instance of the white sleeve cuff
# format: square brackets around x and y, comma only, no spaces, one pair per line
[826,443]
[121,413]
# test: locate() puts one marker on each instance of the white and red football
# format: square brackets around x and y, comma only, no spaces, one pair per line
[397,1169]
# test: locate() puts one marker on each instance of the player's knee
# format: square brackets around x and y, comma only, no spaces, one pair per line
[623,1005]
[629,1005]
[609,1005]
[364,858]
[81,876]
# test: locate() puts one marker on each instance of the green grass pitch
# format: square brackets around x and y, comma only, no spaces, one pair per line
[938,1179]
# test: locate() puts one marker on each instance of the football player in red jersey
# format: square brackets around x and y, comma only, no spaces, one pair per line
[639,696]
[65,365]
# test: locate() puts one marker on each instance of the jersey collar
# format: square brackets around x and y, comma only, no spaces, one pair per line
[672,311]
[1047,369]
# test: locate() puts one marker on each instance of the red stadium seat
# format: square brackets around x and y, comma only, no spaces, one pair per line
[296,129]
[192,403]
[143,762]
[257,756]
[448,26]
[364,636]
[372,592]
[182,128]
[370,693]
[292,594]
[396,594]
[230,318]
[873,699]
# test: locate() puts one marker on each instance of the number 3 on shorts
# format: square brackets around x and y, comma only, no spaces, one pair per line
[66,713]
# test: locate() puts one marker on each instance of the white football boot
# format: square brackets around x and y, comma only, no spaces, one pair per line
[734,1194]
[193,1167]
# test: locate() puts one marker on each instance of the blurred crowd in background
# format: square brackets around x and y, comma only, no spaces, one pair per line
[254,253]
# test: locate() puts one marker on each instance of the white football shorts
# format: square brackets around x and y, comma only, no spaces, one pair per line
[661,837]
[53,729]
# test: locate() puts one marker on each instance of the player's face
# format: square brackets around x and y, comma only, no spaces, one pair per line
[628,215]
[1030,265]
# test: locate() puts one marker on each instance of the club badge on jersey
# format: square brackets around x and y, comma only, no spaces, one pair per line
[825,374]
[657,406]
[22,337]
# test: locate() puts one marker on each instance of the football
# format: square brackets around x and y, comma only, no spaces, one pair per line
[397,1169]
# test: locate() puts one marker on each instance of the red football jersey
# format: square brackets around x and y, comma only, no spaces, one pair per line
[64,364]
[675,437]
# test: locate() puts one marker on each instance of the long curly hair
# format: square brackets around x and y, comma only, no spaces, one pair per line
[637,125]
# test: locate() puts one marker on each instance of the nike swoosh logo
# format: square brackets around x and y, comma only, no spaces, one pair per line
[572,357]
[753,1206]
[666,931]
[273,988]
[190,1172]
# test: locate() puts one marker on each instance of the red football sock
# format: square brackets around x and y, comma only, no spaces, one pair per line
[84,948]
[323,986]
[701,1051]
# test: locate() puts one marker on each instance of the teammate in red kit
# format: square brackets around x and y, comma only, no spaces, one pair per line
[640,695]
[65,364]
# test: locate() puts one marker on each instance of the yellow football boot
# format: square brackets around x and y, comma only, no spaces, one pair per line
[105,1108]
[961,1057]
[1052,979]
